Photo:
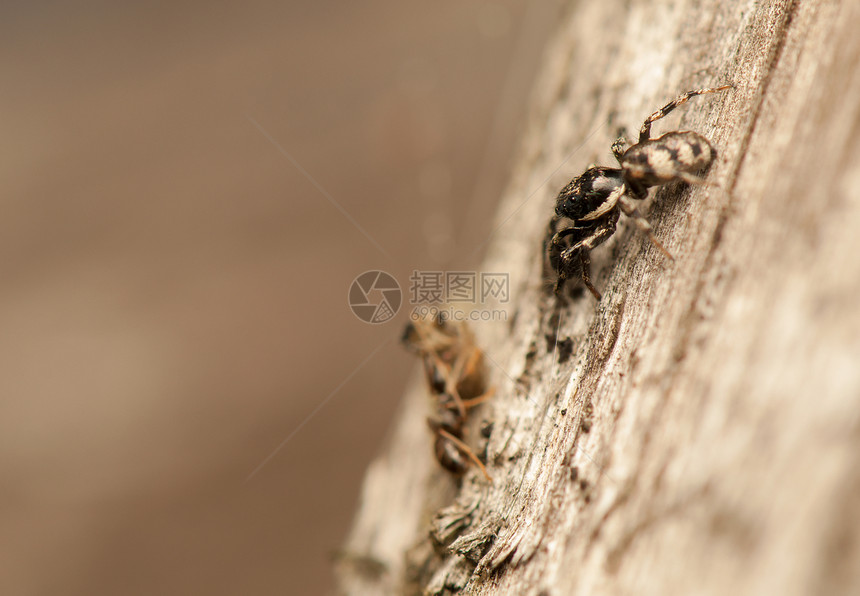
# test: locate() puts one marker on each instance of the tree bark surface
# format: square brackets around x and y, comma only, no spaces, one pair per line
[699,433]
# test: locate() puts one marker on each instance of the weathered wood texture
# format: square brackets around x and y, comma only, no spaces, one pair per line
[704,435]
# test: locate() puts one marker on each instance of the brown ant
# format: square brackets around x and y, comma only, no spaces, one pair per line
[454,367]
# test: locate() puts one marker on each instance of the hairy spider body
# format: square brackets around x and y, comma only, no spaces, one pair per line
[588,208]
[667,158]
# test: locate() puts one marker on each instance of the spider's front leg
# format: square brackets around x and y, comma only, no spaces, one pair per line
[556,241]
[552,246]
[576,259]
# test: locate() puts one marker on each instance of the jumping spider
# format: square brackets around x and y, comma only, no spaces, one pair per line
[594,200]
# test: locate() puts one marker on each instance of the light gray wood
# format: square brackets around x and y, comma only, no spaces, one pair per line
[710,411]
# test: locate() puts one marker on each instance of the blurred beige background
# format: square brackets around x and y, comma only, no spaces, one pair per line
[173,297]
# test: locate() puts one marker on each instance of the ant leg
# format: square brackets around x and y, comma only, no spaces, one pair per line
[451,387]
[447,453]
[440,379]
[465,367]
[471,403]
[645,131]
[471,369]
[631,211]
[470,381]
[465,450]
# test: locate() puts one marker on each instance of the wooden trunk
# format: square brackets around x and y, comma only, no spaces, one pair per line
[703,436]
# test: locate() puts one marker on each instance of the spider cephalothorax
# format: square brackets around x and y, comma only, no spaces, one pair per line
[587,209]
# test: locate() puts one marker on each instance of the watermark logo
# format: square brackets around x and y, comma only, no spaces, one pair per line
[464,287]
[375,297]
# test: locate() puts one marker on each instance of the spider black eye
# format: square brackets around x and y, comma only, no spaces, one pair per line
[566,206]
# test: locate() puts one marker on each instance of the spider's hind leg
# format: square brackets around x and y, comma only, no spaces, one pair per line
[645,131]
